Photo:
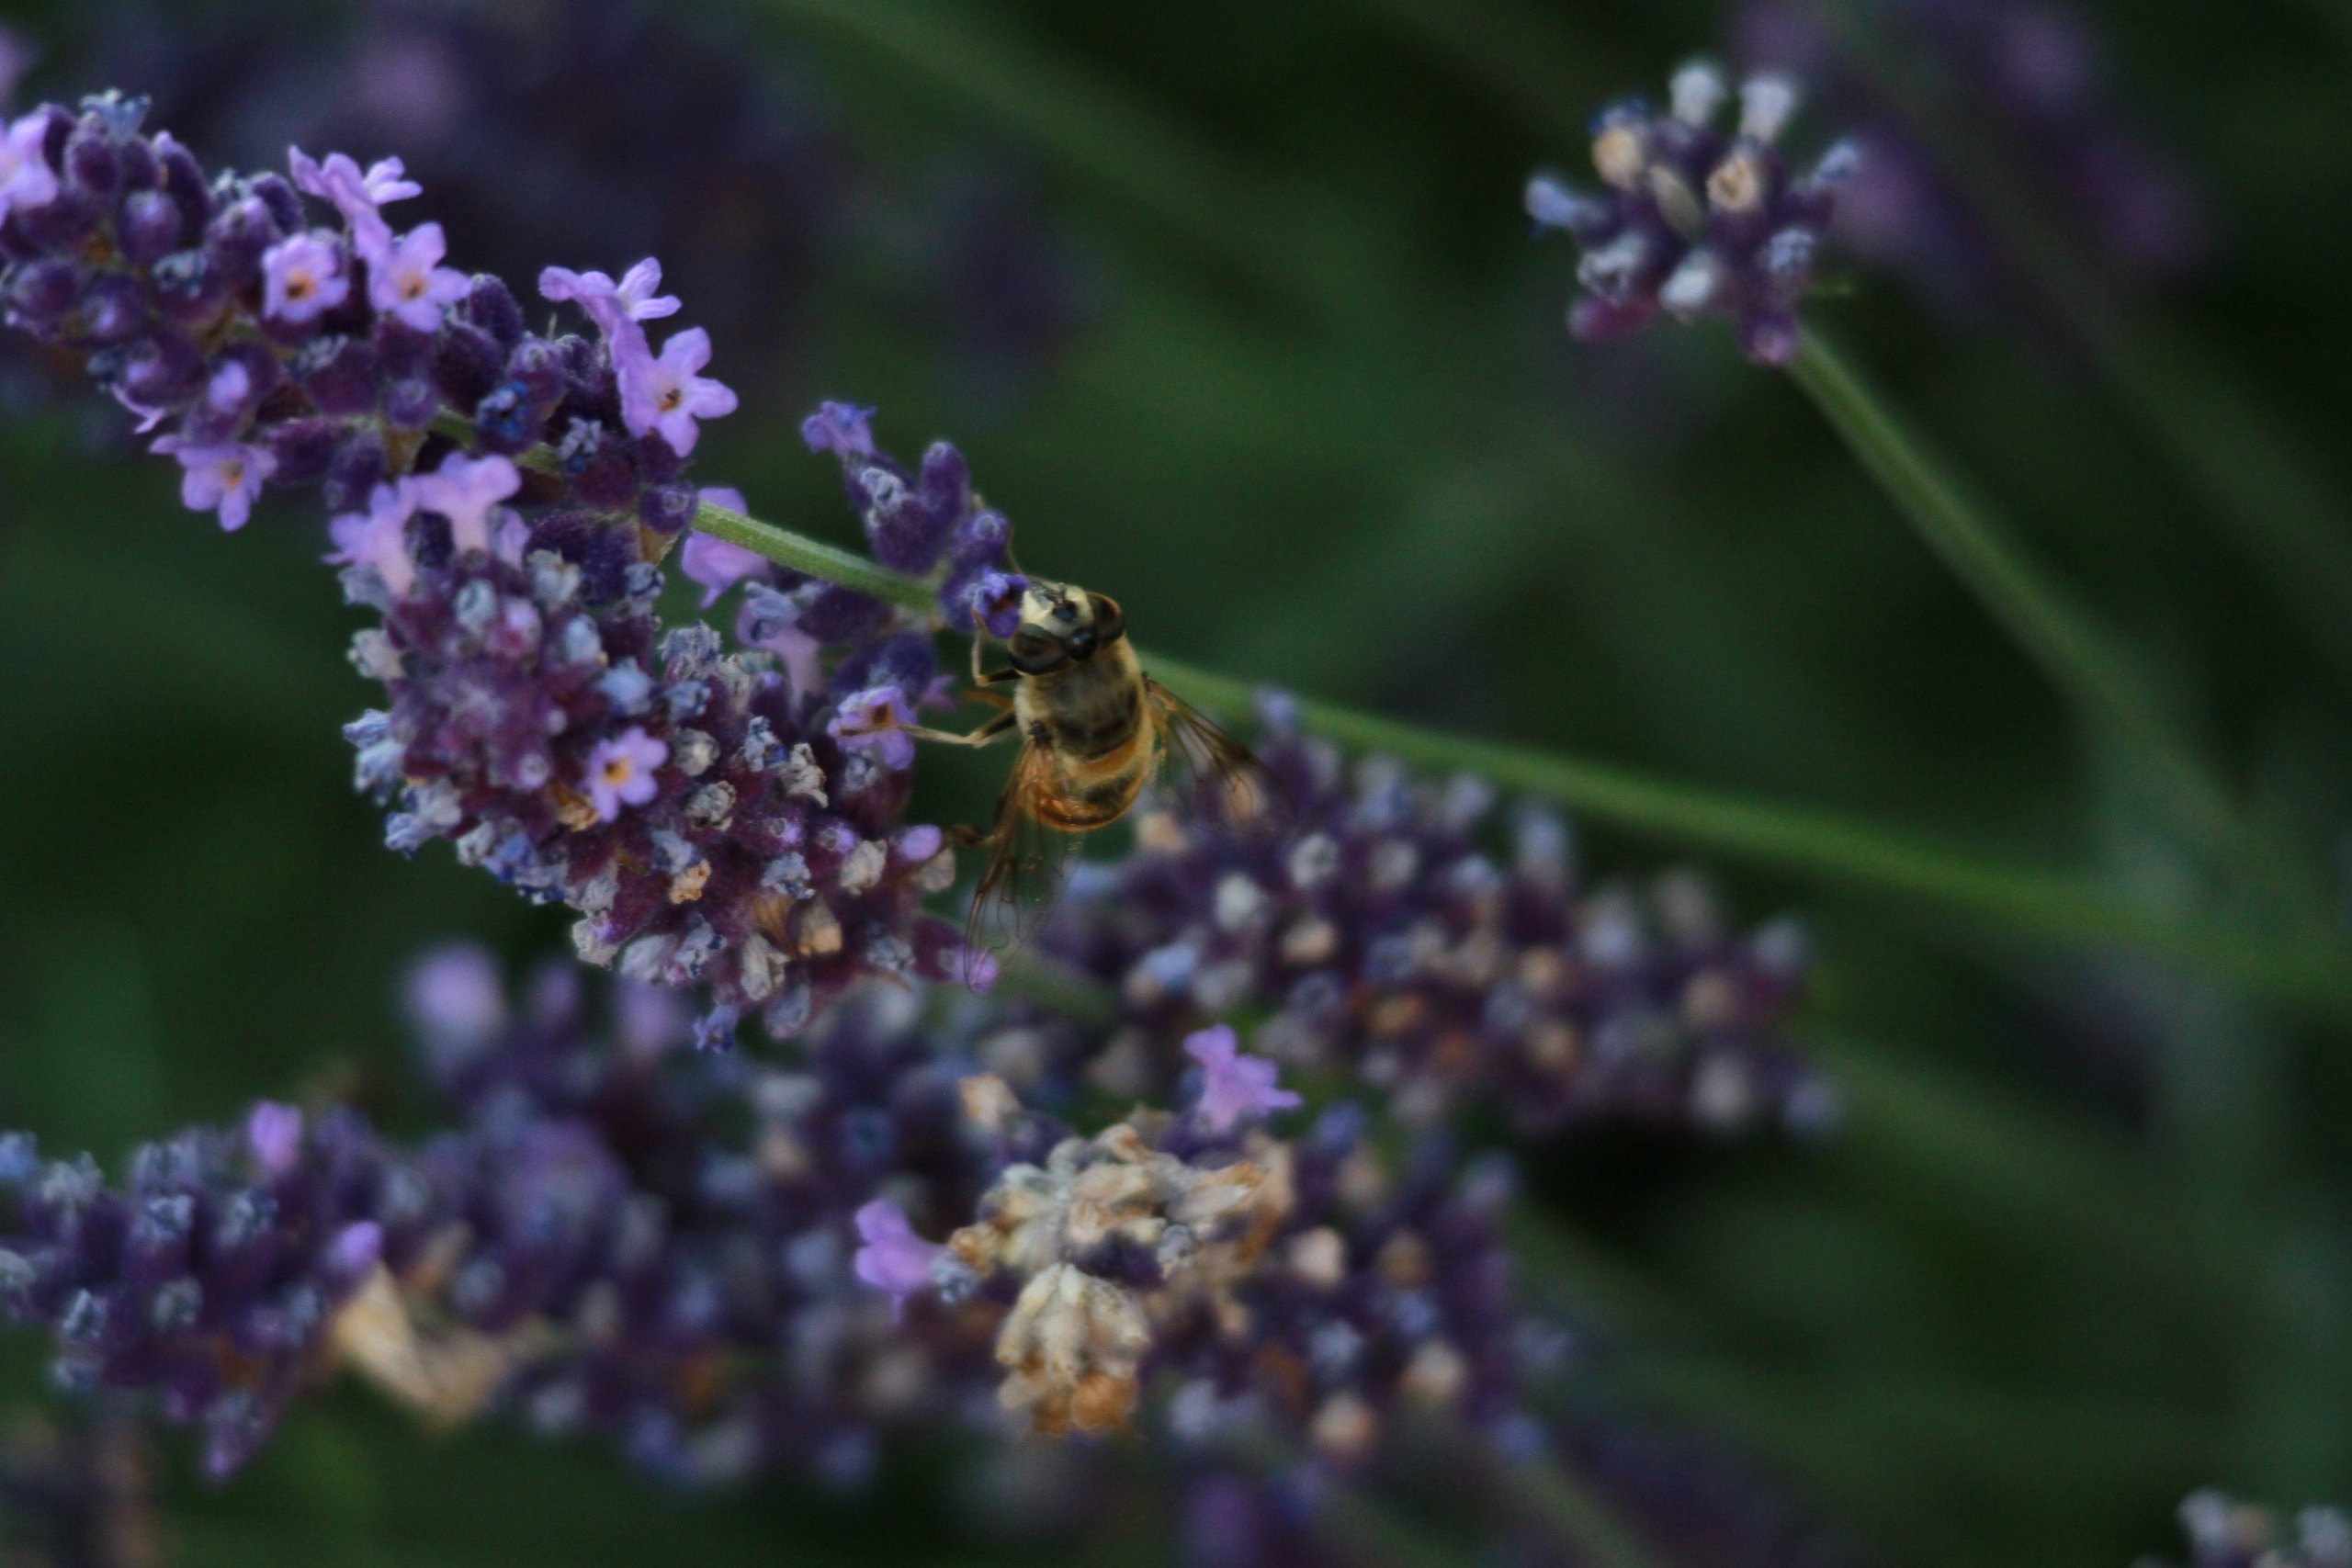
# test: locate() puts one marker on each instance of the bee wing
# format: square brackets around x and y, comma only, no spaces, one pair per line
[1026,861]
[1216,774]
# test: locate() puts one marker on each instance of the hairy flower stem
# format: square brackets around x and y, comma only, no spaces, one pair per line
[2312,972]
[2081,658]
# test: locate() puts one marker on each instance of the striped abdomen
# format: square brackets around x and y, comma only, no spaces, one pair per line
[1091,718]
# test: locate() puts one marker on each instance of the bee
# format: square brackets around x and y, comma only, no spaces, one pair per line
[1095,730]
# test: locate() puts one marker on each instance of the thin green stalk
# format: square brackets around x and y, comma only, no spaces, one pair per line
[2275,505]
[2308,971]
[817,558]
[2081,658]
[1560,1498]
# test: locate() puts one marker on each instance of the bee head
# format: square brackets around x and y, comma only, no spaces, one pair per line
[1061,626]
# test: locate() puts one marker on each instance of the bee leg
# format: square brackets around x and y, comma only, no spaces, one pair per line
[996,677]
[991,699]
[996,728]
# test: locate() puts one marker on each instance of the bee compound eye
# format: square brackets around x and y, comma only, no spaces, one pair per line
[1034,651]
[1110,621]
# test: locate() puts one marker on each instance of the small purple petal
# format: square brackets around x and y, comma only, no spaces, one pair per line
[842,429]
[1233,1087]
[274,1133]
[621,772]
[892,1258]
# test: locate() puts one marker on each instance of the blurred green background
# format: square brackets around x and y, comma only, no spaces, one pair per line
[1305,405]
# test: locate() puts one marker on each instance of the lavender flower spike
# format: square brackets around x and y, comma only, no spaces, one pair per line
[1233,1087]
[1693,222]
[690,804]
[890,1257]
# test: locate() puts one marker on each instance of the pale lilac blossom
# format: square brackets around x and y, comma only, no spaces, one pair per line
[611,304]
[303,278]
[379,537]
[874,721]
[467,490]
[620,772]
[406,279]
[26,179]
[274,1133]
[229,387]
[844,429]
[890,1257]
[668,393]
[1233,1087]
[223,476]
[356,195]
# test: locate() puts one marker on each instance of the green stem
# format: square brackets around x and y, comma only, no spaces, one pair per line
[1557,1496]
[2254,480]
[2080,657]
[817,558]
[2312,970]
[2308,971]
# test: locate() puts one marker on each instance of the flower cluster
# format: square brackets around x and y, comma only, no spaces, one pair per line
[599,1244]
[2028,71]
[620,128]
[1382,930]
[2227,1534]
[716,819]
[214,1276]
[1294,1285]
[924,520]
[1693,222]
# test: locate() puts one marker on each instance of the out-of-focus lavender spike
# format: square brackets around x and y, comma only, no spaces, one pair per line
[2027,71]
[1692,221]
[1441,950]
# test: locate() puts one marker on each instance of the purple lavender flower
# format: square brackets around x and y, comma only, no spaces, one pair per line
[303,278]
[376,539]
[693,807]
[890,1257]
[873,722]
[217,1275]
[918,520]
[607,303]
[621,772]
[226,477]
[2029,70]
[27,181]
[456,1001]
[358,195]
[406,280]
[1149,1253]
[468,491]
[1692,222]
[1233,1087]
[668,392]
[1389,928]
[2227,1534]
